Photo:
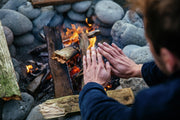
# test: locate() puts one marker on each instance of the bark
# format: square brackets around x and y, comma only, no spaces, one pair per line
[9,88]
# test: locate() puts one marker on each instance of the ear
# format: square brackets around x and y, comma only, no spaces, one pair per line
[170,61]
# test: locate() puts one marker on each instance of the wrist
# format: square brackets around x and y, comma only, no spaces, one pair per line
[137,70]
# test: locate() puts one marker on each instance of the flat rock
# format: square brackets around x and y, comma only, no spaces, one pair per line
[63,8]
[126,34]
[18,110]
[82,6]
[18,23]
[127,50]
[108,11]
[28,10]
[76,16]
[9,35]
[13,4]
[26,39]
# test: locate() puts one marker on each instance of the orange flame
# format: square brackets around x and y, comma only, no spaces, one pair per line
[74,70]
[92,42]
[90,25]
[29,68]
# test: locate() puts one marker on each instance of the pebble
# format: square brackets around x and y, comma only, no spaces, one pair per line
[23,40]
[63,8]
[127,50]
[9,35]
[76,16]
[56,20]
[14,4]
[81,7]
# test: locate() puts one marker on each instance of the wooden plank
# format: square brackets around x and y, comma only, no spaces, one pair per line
[39,3]
[62,83]
[63,106]
[9,88]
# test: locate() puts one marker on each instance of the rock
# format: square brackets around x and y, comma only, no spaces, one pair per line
[14,4]
[105,31]
[141,55]
[108,11]
[99,23]
[24,40]
[18,110]
[76,16]
[75,117]
[2,2]
[35,114]
[28,10]
[63,8]
[81,7]
[127,50]
[17,76]
[56,20]
[12,50]
[18,23]
[126,34]
[133,18]
[16,65]
[9,35]
[44,19]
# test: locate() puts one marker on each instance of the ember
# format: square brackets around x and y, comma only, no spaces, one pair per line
[29,68]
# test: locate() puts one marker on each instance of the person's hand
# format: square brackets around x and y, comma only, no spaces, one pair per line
[122,66]
[94,68]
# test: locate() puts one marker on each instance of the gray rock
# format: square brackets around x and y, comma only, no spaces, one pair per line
[44,19]
[63,8]
[28,10]
[133,18]
[76,16]
[99,23]
[9,35]
[127,34]
[75,117]
[17,76]
[56,20]
[16,65]
[108,11]
[12,50]
[17,22]
[105,31]
[127,50]
[35,114]
[24,40]
[2,2]
[14,4]
[18,110]
[141,55]
[82,6]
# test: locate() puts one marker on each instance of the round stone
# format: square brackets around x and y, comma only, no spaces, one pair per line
[127,50]
[76,16]
[18,23]
[108,11]
[63,8]
[18,110]
[56,20]
[12,50]
[82,6]
[105,31]
[9,35]
[26,39]
[35,114]
[13,4]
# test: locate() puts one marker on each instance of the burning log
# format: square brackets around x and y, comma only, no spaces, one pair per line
[84,43]
[63,106]
[64,54]
[9,88]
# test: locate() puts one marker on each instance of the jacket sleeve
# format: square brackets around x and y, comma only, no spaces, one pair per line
[152,74]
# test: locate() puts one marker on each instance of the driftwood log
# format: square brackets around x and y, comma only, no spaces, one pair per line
[9,88]
[39,3]
[63,106]
[62,83]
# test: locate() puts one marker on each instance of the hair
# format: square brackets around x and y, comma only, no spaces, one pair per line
[162,24]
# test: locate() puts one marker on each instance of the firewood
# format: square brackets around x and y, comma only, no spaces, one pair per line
[9,88]
[64,54]
[84,43]
[63,106]
[37,50]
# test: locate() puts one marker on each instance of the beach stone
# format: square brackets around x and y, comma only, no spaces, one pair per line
[108,11]
[12,50]
[28,10]
[18,110]
[133,18]
[18,23]
[26,39]
[35,114]
[13,4]
[9,35]
[126,34]
[82,6]
[44,19]
[105,31]
[63,8]
[141,55]
[127,50]
[2,2]
[99,23]
[56,20]
[76,16]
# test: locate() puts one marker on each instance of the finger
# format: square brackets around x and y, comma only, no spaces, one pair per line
[114,51]
[99,56]
[105,54]
[84,63]
[108,67]
[93,56]
[114,71]
[88,58]
[119,50]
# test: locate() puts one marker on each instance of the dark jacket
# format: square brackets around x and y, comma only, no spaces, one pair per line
[159,102]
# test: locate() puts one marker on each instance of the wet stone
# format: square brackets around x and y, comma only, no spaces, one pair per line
[81,7]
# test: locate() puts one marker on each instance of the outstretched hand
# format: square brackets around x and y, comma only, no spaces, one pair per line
[94,68]
[122,66]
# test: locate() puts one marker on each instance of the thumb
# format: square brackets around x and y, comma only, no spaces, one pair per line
[108,67]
